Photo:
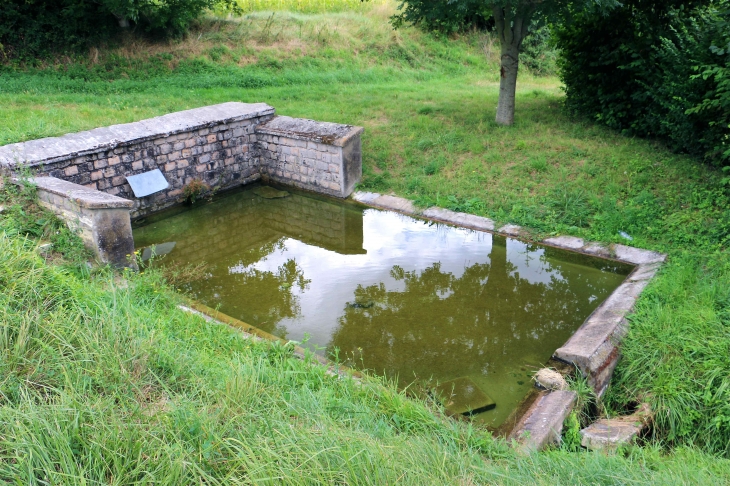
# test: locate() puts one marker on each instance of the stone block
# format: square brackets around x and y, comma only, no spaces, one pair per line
[569,242]
[608,435]
[637,256]
[597,249]
[542,425]
[107,227]
[394,203]
[510,229]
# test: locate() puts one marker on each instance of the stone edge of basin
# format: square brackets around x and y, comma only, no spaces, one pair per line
[542,424]
[69,146]
[594,348]
[310,130]
[101,220]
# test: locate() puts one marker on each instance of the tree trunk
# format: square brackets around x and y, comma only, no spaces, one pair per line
[512,21]
[507,84]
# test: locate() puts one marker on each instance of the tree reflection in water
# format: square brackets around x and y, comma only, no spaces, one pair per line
[394,294]
[489,320]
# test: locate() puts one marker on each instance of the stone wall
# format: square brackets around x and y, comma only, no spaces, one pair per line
[218,145]
[215,144]
[317,156]
[222,145]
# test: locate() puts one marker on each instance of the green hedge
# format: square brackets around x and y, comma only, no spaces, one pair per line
[36,28]
[654,69]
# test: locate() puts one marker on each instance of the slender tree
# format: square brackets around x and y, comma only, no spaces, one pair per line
[513,21]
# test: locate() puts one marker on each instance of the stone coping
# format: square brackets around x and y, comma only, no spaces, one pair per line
[595,346]
[622,253]
[542,424]
[56,149]
[83,196]
[309,130]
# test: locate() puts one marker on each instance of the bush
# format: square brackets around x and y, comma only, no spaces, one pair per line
[444,15]
[33,28]
[653,69]
[37,27]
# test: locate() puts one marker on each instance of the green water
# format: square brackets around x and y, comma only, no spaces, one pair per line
[414,300]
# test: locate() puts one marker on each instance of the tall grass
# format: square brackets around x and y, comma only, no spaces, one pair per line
[308,6]
[104,381]
[681,332]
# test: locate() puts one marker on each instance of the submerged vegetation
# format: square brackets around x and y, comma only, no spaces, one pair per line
[106,379]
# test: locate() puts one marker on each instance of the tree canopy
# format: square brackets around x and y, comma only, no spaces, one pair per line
[513,21]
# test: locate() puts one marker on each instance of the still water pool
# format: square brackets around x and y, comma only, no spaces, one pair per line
[411,299]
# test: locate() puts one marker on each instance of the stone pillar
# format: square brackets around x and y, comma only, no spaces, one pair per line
[101,219]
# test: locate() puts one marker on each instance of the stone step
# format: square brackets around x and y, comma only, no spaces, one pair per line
[609,435]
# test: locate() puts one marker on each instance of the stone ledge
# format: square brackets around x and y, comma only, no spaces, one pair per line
[542,425]
[83,196]
[608,435]
[622,253]
[393,203]
[101,220]
[461,219]
[56,149]
[510,230]
[309,130]
[570,242]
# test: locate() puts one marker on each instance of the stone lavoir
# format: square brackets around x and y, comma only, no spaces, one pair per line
[100,179]
[85,177]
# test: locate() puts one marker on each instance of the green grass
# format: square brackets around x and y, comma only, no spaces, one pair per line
[427,104]
[107,381]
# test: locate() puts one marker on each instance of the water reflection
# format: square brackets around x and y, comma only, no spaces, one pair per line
[400,296]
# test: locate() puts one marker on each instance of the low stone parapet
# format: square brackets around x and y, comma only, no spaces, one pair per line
[102,220]
[213,147]
[214,144]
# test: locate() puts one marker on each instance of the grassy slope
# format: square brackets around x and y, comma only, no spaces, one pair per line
[427,105]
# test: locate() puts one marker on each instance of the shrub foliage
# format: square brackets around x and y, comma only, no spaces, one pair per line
[444,15]
[656,69]
[32,28]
